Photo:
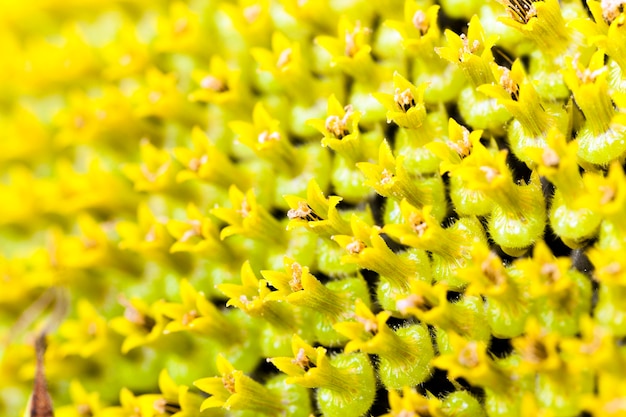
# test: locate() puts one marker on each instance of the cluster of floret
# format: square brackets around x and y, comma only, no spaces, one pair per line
[295,208]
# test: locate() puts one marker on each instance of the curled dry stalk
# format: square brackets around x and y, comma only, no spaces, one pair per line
[55,302]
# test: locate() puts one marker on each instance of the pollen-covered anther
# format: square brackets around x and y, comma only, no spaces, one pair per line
[266,136]
[125,60]
[295,283]
[467,47]
[608,194]
[79,122]
[92,329]
[595,344]
[492,270]
[613,407]
[181,25]
[404,99]
[89,243]
[150,236]
[351,48]
[210,82]
[386,177]
[303,211]
[188,317]
[468,357]
[509,85]
[613,268]
[355,247]
[350,39]
[84,410]
[535,352]
[159,405]
[418,223]
[244,209]
[195,230]
[302,360]
[587,76]
[550,271]
[133,315]
[420,22]
[336,126]
[101,114]
[611,9]
[228,381]
[490,173]
[413,301]
[154,96]
[195,163]
[550,158]
[251,13]
[462,146]
[284,59]
[370,326]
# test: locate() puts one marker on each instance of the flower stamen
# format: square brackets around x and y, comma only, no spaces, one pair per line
[420,22]
[404,99]
[302,360]
[295,283]
[520,10]
[355,247]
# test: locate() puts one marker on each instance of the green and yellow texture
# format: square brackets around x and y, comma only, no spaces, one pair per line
[314,207]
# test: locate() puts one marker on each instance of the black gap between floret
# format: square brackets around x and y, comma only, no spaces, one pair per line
[277,213]
[376,25]
[389,133]
[432,332]
[521,172]
[330,351]
[438,384]
[547,189]
[377,205]
[455,25]
[392,244]
[297,140]
[264,371]
[502,57]
[343,205]
[396,323]
[381,404]
[595,289]
[555,243]
[477,392]
[371,278]
[453,111]
[506,258]
[322,277]
[500,348]
[453,296]
[348,84]
[451,216]
[316,410]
